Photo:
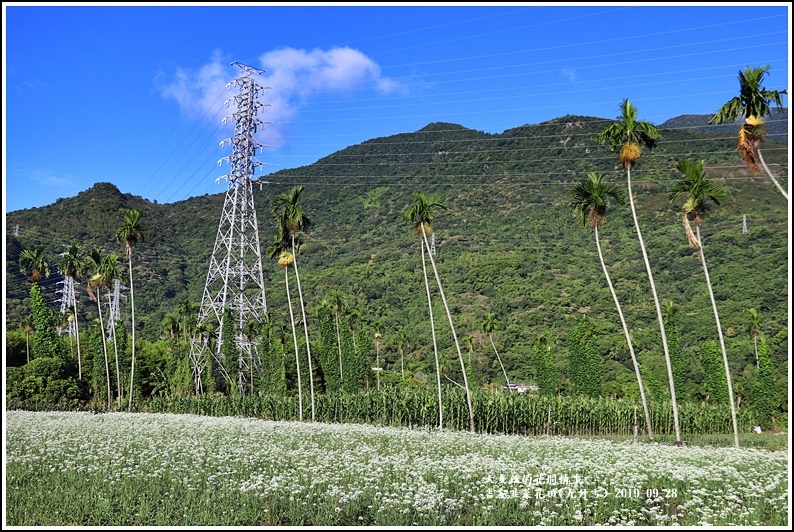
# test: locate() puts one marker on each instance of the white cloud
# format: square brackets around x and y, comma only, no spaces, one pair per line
[202,90]
[569,74]
[48,178]
[295,77]
[338,69]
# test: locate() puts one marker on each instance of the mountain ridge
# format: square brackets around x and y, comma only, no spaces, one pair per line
[507,243]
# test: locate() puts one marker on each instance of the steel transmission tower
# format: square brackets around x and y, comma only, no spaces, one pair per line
[114,304]
[234,280]
[67,300]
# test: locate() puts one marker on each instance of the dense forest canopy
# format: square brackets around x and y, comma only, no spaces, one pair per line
[507,244]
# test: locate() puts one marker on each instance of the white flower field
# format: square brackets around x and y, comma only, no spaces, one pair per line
[130,469]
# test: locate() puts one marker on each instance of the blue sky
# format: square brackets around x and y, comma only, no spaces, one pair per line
[133,95]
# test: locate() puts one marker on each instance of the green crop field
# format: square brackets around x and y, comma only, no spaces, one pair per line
[135,469]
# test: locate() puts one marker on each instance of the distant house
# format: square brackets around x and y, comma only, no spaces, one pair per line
[518,387]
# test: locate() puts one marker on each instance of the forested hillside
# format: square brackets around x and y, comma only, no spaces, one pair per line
[507,244]
[776,125]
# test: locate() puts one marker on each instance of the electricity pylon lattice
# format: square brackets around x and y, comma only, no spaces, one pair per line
[235,281]
[67,300]
[114,304]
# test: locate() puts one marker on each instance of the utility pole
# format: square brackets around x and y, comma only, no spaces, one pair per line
[234,280]
[744,223]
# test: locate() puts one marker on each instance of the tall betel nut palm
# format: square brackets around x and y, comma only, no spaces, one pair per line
[426,206]
[110,271]
[420,213]
[33,263]
[589,201]
[278,249]
[294,220]
[754,328]
[752,104]
[488,327]
[130,232]
[94,266]
[73,266]
[630,136]
[698,189]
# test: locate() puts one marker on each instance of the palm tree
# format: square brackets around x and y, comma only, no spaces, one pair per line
[754,329]
[752,104]
[130,233]
[631,135]
[421,212]
[589,201]
[294,219]
[488,327]
[171,324]
[33,263]
[71,265]
[95,269]
[419,230]
[698,189]
[186,310]
[335,302]
[285,259]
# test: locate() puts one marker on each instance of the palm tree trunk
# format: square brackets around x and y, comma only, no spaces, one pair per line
[628,336]
[769,173]
[339,345]
[490,337]
[377,363]
[454,336]
[132,303]
[77,334]
[27,347]
[104,342]
[118,369]
[676,425]
[435,345]
[295,341]
[722,340]
[305,325]
[755,348]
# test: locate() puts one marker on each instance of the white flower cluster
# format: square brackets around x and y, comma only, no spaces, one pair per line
[402,476]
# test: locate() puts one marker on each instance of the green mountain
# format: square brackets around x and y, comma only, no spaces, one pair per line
[506,244]
[776,125]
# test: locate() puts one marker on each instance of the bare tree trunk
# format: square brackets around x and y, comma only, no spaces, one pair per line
[769,173]
[295,341]
[118,370]
[435,346]
[490,337]
[676,425]
[628,336]
[339,345]
[77,334]
[132,303]
[722,340]
[305,325]
[104,342]
[454,336]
